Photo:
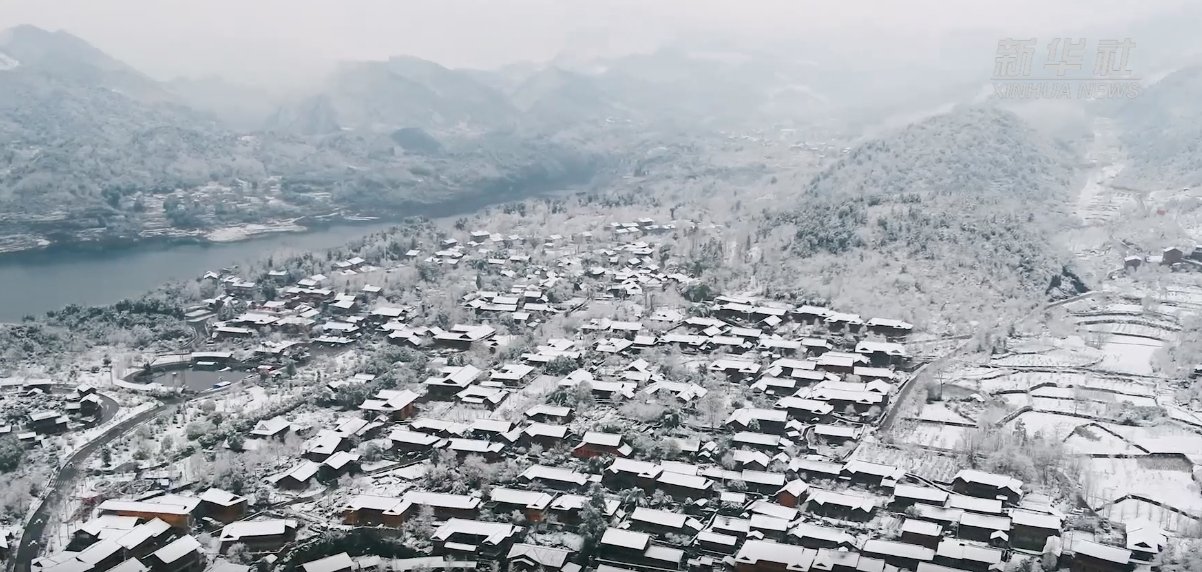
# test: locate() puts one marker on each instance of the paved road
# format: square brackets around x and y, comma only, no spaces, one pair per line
[72,469]
[920,379]
[108,409]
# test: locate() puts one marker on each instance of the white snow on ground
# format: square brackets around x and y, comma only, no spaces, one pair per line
[1134,509]
[1049,424]
[934,435]
[941,413]
[1061,357]
[1166,480]
[1093,439]
[78,440]
[1163,438]
[1125,354]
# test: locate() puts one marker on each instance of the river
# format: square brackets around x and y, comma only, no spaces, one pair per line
[32,283]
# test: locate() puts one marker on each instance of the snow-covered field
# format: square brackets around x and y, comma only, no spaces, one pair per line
[1097,439]
[1163,438]
[1049,424]
[1061,357]
[1126,354]
[1165,480]
[932,435]
[943,413]
[1170,520]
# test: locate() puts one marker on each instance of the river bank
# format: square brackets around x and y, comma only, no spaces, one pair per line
[101,272]
[37,281]
[26,243]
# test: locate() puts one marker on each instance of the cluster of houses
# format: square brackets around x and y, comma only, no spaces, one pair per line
[52,411]
[808,519]
[1175,257]
[159,534]
[758,488]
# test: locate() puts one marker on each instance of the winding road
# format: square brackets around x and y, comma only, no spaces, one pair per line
[72,469]
[75,467]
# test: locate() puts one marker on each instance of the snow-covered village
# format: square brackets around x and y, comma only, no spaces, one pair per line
[450,398]
[609,286]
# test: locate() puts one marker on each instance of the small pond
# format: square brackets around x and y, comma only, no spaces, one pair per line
[196,380]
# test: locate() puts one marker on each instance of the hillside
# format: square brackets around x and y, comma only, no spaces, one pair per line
[74,120]
[1163,133]
[91,149]
[383,96]
[954,213]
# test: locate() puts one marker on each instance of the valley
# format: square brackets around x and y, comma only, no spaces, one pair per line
[698,308]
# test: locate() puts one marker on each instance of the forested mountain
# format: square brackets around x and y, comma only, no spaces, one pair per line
[703,87]
[89,147]
[1163,133]
[74,121]
[968,199]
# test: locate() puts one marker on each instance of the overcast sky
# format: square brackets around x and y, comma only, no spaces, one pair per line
[261,38]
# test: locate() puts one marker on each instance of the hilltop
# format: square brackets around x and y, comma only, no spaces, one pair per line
[1163,133]
[957,210]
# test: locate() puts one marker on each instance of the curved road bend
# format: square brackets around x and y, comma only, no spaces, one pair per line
[72,469]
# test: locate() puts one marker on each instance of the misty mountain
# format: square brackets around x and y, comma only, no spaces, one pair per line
[89,146]
[700,87]
[669,86]
[73,120]
[552,96]
[61,57]
[415,140]
[313,115]
[1163,133]
[401,92]
[56,87]
[236,106]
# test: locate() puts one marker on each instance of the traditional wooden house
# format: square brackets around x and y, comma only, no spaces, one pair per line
[986,528]
[900,554]
[905,496]
[175,510]
[1031,530]
[222,506]
[766,556]
[988,485]
[889,328]
[340,562]
[467,537]
[596,444]
[1089,556]
[532,505]
[258,536]
[792,494]
[968,556]
[557,478]
[662,522]
[817,536]
[922,532]
[183,554]
[534,558]
[840,505]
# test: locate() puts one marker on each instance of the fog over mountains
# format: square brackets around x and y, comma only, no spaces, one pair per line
[88,141]
[93,149]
